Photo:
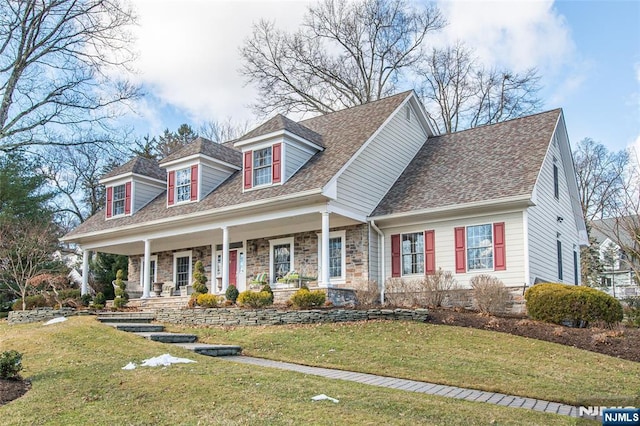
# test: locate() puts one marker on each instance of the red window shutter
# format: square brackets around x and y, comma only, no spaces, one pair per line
[276,163]
[194,182]
[461,263]
[395,255]
[109,201]
[172,188]
[127,198]
[499,252]
[248,162]
[430,252]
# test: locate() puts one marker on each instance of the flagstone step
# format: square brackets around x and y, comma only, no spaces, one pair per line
[211,350]
[136,327]
[169,337]
[131,317]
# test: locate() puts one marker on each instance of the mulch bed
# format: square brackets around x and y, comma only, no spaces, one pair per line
[621,342]
[12,389]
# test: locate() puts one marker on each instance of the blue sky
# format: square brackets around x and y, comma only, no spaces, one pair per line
[588,53]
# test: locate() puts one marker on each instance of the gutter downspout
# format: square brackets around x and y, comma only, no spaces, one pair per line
[382,259]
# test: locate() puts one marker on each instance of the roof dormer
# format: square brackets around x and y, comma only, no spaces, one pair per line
[131,186]
[274,151]
[197,169]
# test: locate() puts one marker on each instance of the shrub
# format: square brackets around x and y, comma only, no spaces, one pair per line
[100,299]
[199,279]
[121,287]
[304,299]
[119,302]
[232,293]
[10,365]
[70,293]
[267,288]
[490,294]
[207,300]
[85,299]
[632,310]
[436,286]
[31,302]
[252,299]
[559,303]
[368,296]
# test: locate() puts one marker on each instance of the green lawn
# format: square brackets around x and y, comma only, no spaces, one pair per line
[457,356]
[75,369]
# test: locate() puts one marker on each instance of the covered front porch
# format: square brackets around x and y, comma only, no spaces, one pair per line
[306,245]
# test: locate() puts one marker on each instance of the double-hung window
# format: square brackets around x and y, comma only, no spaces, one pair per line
[119,194]
[280,258]
[182,268]
[183,185]
[413,253]
[479,247]
[262,162]
[337,256]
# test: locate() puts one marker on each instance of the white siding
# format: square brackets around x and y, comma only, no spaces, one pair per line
[544,226]
[211,178]
[143,193]
[294,158]
[370,176]
[514,274]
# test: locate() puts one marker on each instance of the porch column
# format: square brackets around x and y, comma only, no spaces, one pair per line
[146,288]
[225,258]
[324,267]
[85,273]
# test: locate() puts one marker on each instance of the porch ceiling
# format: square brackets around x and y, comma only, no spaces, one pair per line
[259,229]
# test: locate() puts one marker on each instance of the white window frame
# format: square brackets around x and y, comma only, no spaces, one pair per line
[254,168]
[153,258]
[187,253]
[467,248]
[187,185]
[402,254]
[277,242]
[343,236]
[114,200]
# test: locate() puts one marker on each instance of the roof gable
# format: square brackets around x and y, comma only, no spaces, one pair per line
[484,163]
[203,146]
[282,123]
[140,166]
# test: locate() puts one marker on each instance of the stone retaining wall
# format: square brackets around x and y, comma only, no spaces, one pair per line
[246,317]
[37,315]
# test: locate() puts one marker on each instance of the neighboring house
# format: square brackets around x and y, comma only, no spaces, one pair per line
[617,277]
[363,194]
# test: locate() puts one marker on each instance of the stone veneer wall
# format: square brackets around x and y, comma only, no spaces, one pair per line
[248,317]
[37,315]
[165,263]
[305,248]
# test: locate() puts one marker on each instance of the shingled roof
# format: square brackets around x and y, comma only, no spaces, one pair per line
[140,166]
[343,133]
[280,122]
[484,163]
[204,146]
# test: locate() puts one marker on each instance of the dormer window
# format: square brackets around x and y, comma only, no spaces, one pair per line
[183,185]
[262,166]
[119,200]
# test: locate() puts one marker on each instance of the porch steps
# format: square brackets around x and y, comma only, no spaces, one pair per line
[140,324]
[154,303]
[165,337]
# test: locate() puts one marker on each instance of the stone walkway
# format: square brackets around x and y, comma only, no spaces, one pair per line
[416,386]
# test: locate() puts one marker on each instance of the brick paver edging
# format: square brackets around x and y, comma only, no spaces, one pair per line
[416,386]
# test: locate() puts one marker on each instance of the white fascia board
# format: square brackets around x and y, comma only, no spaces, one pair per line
[346,213]
[278,134]
[128,177]
[178,220]
[365,145]
[518,201]
[163,232]
[181,163]
[423,115]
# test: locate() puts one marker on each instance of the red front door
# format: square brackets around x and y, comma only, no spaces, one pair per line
[233,267]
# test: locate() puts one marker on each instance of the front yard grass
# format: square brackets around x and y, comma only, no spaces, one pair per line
[75,370]
[466,357]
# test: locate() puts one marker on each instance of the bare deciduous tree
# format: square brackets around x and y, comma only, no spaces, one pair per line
[602,179]
[26,250]
[461,93]
[223,131]
[61,63]
[345,54]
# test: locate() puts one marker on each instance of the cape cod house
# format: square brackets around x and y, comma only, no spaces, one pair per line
[359,195]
